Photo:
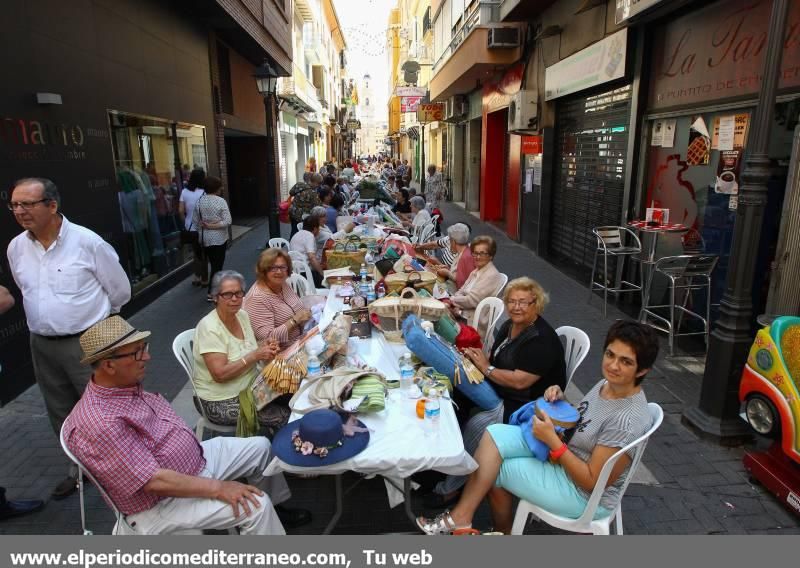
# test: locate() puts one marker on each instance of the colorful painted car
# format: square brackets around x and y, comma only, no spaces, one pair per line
[769,385]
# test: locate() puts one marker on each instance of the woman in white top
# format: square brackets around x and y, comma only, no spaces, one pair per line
[188,199]
[420,214]
[212,218]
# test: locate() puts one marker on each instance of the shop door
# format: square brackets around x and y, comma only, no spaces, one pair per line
[589,171]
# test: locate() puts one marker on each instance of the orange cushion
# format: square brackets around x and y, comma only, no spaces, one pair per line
[790,349]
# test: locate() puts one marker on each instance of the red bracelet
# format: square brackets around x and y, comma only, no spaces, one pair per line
[558,452]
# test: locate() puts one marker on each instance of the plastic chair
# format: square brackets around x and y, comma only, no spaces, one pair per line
[182,349]
[300,285]
[503,282]
[576,348]
[494,307]
[121,522]
[278,242]
[611,243]
[686,273]
[301,268]
[586,523]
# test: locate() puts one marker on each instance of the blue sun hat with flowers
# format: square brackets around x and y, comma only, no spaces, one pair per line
[321,437]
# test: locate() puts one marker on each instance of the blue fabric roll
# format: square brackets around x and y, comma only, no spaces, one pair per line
[438,354]
[523,417]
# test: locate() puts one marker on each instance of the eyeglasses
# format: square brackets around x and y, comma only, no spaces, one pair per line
[138,355]
[26,205]
[231,295]
[283,268]
[481,254]
[524,304]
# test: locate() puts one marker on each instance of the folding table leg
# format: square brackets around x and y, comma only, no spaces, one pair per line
[337,480]
[407,504]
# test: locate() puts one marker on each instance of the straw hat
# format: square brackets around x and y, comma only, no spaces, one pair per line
[106,336]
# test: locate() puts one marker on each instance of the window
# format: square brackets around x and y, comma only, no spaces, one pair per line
[225,87]
[153,159]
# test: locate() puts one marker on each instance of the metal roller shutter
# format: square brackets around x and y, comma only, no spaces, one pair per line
[591,145]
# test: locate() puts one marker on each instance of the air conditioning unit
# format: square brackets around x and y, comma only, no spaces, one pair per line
[456,108]
[500,38]
[522,112]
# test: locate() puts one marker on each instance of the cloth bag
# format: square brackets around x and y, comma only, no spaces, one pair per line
[331,389]
[434,351]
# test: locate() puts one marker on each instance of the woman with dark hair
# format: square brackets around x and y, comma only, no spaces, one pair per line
[333,210]
[612,415]
[403,204]
[212,217]
[189,197]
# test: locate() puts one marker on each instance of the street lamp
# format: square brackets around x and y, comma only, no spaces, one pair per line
[267,82]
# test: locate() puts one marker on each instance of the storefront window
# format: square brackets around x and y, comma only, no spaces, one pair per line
[153,158]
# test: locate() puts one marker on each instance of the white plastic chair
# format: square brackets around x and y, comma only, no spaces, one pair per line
[576,347]
[300,285]
[503,282]
[586,522]
[278,242]
[182,349]
[494,307]
[121,522]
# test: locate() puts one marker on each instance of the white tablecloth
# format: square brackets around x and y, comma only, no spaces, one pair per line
[398,445]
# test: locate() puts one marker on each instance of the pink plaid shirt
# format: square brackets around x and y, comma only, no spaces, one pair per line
[123,435]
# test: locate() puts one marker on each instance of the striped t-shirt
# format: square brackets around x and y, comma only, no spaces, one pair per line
[269,313]
[614,423]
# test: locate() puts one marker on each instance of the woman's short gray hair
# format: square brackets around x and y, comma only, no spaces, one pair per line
[418,202]
[318,211]
[458,233]
[222,276]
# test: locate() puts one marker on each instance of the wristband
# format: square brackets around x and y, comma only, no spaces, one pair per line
[245,362]
[556,454]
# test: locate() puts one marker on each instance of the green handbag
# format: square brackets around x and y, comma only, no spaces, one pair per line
[447,328]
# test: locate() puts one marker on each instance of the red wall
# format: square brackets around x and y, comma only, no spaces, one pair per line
[512,187]
[493,135]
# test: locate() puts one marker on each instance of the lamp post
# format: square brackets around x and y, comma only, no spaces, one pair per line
[267,82]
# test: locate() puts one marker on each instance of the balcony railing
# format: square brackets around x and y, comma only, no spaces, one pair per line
[481,14]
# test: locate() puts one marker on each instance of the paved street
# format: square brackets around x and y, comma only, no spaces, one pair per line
[699,488]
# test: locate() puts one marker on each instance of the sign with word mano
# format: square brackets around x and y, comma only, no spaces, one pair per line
[430,112]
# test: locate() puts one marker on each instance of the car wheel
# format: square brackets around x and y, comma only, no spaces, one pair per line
[762,416]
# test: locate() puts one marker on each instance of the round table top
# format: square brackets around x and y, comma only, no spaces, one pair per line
[641,225]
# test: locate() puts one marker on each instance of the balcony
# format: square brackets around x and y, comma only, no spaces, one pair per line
[522,10]
[467,58]
[321,97]
[312,44]
[298,92]
[426,22]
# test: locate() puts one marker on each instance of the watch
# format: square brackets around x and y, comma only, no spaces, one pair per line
[489,370]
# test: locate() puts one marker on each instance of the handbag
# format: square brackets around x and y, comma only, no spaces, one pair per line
[340,257]
[415,279]
[331,389]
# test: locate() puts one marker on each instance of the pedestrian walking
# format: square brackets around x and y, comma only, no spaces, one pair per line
[434,187]
[70,279]
[212,217]
[190,234]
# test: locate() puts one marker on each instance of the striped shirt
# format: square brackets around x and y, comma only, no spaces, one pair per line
[212,209]
[448,257]
[269,313]
[613,423]
[123,436]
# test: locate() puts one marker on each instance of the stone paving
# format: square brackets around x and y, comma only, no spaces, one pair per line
[701,488]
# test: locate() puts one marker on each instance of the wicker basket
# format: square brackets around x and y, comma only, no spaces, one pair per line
[392,311]
[417,280]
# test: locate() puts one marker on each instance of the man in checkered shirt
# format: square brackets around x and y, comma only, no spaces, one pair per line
[150,463]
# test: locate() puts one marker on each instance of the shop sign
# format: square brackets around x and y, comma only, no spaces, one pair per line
[353,124]
[627,9]
[430,112]
[410,91]
[599,63]
[410,104]
[718,52]
[531,144]
[498,94]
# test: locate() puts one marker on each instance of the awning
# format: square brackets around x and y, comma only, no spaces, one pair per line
[413,133]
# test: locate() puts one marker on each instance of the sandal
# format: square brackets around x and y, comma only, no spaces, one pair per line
[440,524]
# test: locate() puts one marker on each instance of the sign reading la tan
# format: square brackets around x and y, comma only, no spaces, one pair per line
[718,52]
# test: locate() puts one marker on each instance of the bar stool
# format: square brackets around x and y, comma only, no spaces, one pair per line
[686,273]
[611,242]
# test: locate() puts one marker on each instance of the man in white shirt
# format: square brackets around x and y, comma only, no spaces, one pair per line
[305,242]
[70,279]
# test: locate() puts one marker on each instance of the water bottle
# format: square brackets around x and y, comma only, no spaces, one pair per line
[314,366]
[380,289]
[363,273]
[370,291]
[406,372]
[432,411]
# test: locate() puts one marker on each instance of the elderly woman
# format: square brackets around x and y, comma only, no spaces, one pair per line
[419,214]
[226,353]
[525,360]
[457,261]
[276,312]
[482,282]
[403,204]
[613,414]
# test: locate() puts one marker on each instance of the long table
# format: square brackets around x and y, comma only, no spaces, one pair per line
[399,446]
